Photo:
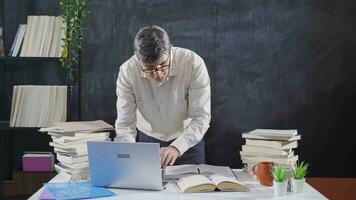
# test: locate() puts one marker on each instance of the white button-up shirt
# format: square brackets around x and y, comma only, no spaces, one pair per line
[177,108]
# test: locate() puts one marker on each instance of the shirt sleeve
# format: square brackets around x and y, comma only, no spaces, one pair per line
[199,109]
[125,124]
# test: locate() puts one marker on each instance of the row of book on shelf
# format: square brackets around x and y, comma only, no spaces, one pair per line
[42,36]
[38,105]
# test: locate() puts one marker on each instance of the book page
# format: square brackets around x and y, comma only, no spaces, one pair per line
[217,179]
[181,169]
[228,183]
[211,169]
[193,181]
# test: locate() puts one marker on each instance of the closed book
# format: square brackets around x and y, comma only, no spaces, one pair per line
[69,159]
[291,154]
[276,138]
[272,144]
[265,150]
[283,161]
[273,133]
[37,162]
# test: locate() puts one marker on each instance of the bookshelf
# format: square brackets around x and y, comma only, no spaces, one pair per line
[26,71]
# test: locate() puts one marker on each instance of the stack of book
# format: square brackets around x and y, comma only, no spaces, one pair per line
[40,37]
[69,140]
[38,105]
[269,145]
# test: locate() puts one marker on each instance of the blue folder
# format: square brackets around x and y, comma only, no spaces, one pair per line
[76,190]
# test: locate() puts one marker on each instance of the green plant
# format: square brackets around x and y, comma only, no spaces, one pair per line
[74,15]
[279,173]
[300,169]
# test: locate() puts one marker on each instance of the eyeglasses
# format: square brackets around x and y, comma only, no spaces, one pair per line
[152,69]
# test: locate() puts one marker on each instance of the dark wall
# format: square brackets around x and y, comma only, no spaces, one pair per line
[22,71]
[273,64]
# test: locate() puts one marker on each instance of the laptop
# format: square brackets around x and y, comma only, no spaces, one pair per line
[125,165]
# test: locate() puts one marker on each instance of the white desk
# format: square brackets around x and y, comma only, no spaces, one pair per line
[257,192]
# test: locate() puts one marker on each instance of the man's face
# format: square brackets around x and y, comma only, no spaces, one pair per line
[159,70]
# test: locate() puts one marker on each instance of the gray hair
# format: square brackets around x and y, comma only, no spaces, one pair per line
[150,43]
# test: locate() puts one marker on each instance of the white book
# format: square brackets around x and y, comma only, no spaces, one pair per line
[27,36]
[283,161]
[61,168]
[39,36]
[44,32]
[49,36]
[20,39]
[80,137]
[75,127]
[26,108]
[243,153]
[35,25]
[77,166]
[68,146]
[278,152]
[55,35]
[79,150]
[274,132]
[15,105]
[78,142]
[36,104]
[15,40]
[272,144]
[71,159]
[275,138]
[71,152]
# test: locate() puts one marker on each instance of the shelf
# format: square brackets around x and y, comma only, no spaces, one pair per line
[47,59]
[5,125]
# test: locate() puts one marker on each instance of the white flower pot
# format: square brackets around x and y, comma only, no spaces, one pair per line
[297,185]
[280,188]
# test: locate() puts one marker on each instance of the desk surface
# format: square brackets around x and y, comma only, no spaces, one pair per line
[257,192]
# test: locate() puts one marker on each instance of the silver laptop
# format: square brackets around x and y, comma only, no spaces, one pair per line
[125,165]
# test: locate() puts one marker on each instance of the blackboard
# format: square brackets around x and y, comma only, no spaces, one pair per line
[273,64]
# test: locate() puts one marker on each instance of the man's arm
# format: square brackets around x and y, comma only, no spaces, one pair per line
[125,125]
[199,109]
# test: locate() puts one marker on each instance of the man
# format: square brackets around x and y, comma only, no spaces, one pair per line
[164,92]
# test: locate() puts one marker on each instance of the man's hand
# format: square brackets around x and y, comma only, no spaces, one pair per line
[169,155]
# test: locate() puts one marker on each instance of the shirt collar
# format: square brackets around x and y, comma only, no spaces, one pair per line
[172,71]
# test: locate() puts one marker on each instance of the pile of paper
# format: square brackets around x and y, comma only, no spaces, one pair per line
[69,140]
[269,145]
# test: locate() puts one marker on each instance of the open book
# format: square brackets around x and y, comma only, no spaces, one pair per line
[178,171]
[201,183]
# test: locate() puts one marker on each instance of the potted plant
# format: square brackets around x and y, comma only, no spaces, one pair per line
[279,180]
[299,171]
